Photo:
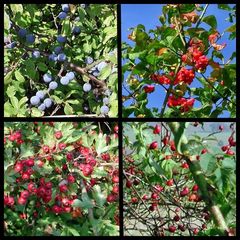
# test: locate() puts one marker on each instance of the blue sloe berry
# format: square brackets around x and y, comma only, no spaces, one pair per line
[53,85]
[40,94]
[34,100]
[47,77]
[48,102]
[64,80]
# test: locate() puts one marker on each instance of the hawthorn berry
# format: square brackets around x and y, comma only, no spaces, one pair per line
[71,178]
[184,192]
[22,201]
[63,188]
[157,129]
[18,167]
[58,134]
[170,182]
[115,179]
[172,228]
[153,145]
[111,198]
[204,151]
[62,146]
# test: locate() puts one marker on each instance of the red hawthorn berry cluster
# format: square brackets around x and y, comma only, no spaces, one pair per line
[15,137]
[186,104]
[41,190]
[195,57]
[227,148]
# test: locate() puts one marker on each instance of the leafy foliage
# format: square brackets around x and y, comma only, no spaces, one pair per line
[25,63]
[55,181]
[157,57]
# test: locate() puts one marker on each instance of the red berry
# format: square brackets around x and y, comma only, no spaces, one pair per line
[154,196]
[170,182]
[195,231]
[230,152]
[63,188]
[65,202]
[134,200]
[69,157]
[48,185]
[71,179]
[145,197]
[31,187]
[24,194]
[56,209]
[221,127]
[115,189]
[111,198]
[87,170]
[225,148]
[184,192]
[9,201]
[149,89]
[165,140]
[115,129]
[157,129]
[12,138]
[30,162]
[62,146]
[153,145]
[35,214]
[204,151]
[195,188]
[22,201]
[115,179]
[58,134]
[23,215]
[176,218]
[25,176]
[45,149]
[128,184]
[172,228]
[185,166]
[181,227]
[18,167]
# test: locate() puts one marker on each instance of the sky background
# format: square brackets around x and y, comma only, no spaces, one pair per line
[148,15]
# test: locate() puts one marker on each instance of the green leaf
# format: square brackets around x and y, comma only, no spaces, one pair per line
[211,21]
[110,32]
[16,8]
[187,8]
[224,7]
[11,91]
[73,231]
[99,196]
[105,73]
[8,77]
[19,76]
[68,109]
[42,66]
[231,28]
[6,21]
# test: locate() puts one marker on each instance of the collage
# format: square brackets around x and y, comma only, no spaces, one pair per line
[120,120]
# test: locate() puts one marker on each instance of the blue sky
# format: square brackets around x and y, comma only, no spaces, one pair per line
[148,14]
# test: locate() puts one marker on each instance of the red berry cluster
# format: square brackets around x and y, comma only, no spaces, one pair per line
[184,75]
[227,148]
[149,89]
[15,137]
[186,104]
[195,57]
[161,79]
